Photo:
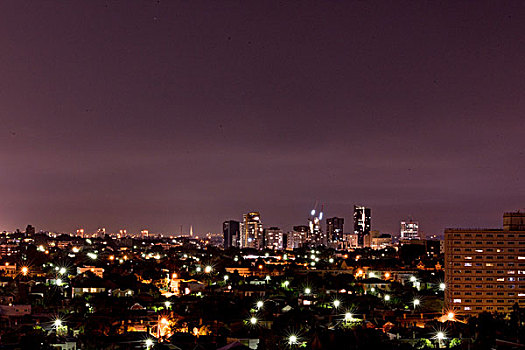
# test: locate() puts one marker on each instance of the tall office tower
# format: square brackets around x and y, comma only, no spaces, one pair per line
[334,229]
[362,223]
[252,231]
[409,230]
[298,237]
[231,230]
[80,232]
[485,268]
[273,238]
[144,234]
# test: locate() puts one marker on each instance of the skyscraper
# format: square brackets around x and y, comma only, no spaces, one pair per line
[409,230]
[484,268]
[231,231]
[298,237]
[252,231]
[334,229]
[273,238]
[362,223]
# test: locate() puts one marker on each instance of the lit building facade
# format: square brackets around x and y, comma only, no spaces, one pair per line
[298,237]
[252,231]
[485,268]
[335,229]
[362,223]
[274,238]
[409,230]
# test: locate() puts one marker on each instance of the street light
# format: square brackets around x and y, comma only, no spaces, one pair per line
[149,343]
[207,269]
[307,291]
[440,336]
[442,286]
[451,315]
[292,340]
[253,321]
[57,323]
[416,302]
[387,297]
[167,304]
[25,270]
[337,303]
[260,304]
[348,316]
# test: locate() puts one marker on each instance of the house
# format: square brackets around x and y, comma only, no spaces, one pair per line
[15,310]
[97,271]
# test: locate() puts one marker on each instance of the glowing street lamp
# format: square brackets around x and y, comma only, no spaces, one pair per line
[292,340]
[416,302]
[442,286]
[387,297]
[307,291]
[260,304]
[286,283]
[253,321]
[24,270]
[57,323]
[167,304]
[207,269]
[226,277]
[149,343]
[440,336]
[62,270]
[337,303]
[451,315]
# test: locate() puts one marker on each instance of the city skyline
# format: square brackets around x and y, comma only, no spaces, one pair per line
[153,115]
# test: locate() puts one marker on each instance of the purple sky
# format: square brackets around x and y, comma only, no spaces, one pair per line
[156,114]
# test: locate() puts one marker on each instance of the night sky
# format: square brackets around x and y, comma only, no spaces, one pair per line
[156,114]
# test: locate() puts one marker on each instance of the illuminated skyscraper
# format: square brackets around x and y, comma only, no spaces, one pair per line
[252,231]
[362,223]
[334,229]
[231,231]
[274,238]
[409,230]
[297,238]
